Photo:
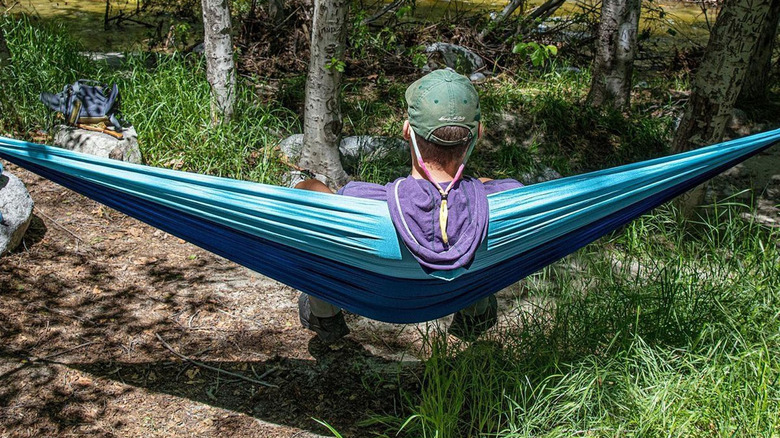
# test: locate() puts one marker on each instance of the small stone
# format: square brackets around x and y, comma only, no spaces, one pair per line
[477,78]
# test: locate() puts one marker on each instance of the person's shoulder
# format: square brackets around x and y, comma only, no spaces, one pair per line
[500,185]
[367,190]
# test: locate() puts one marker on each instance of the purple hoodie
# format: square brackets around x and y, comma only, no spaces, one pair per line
[414,208]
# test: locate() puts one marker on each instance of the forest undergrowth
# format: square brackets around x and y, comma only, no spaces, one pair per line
[667,327]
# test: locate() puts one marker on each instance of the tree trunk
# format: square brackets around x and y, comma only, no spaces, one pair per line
[719,80]
[220,70]
[322,113]
[757,78]
[539,14]
[613,66]
[5,54]
[507,11]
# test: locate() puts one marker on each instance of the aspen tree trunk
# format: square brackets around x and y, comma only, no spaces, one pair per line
[757,78]
[718,82]
[506,12]
[613,66]
[322,113]
[220,69]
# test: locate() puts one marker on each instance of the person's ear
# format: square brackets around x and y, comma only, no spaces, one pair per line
[480,130]
[407,127]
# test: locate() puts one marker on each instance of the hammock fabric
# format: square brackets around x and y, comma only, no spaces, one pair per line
[346,251]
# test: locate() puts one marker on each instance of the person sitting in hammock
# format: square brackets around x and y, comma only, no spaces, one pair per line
[440,214]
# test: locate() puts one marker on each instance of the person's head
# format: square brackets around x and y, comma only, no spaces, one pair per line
[444,117]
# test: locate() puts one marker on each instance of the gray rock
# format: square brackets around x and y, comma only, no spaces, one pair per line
[291,147]
[111,59]
[99,144]
[366,144]
[477,78]
[548,174]
[349,146]
[457,57]
[16,208]
[739,122]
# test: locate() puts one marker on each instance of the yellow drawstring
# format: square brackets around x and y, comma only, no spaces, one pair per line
[443,220]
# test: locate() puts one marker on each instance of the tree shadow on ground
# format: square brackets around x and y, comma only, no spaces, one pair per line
[344,385]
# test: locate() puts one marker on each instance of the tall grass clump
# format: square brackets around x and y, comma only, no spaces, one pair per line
[43,57]
[165,96]
[170,104]
[664,330]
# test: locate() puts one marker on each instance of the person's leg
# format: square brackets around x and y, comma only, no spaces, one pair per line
[320,316]
[471,322]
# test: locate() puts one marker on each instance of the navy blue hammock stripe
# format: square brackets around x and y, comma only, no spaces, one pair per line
[346,251]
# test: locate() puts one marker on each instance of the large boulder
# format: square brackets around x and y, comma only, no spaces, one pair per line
[99,144]
[349,147]
[16,209]
[456,57]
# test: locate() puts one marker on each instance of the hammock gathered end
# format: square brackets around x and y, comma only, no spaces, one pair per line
[346,251]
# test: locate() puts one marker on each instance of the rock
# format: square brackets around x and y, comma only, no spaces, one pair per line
[477,78]
[291,147]
[111,59]
[366,144]
[16,208]
[548,174]
[99,144]
[739,122]
[349,146]
[457,57]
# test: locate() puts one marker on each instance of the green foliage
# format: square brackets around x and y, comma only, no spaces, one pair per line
[166,97]
[662,331]
[43,58]
[335,64]
[539,54]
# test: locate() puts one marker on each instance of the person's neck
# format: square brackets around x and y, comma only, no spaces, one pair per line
[437,173]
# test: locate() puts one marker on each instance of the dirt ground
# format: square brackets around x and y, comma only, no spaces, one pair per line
[95,307]
[89,301]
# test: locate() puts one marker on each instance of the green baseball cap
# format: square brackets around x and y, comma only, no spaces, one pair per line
[443,98]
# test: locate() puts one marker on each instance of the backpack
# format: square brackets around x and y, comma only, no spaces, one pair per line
[86,101]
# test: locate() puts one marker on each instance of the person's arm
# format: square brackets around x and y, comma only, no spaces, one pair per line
[314,185]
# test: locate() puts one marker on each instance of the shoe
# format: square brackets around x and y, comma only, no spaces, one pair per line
[469,327]
[328,329]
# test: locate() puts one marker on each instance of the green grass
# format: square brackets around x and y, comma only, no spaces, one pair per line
[663,330]
[666,328]
[166,97]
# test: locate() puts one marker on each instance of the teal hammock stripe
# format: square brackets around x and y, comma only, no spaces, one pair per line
[346,250]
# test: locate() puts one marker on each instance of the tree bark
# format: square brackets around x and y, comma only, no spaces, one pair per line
[218,47]
[322,113]
[541,13]
[757,78]
[507,11]
[5,54]
[722,72]
[613,66]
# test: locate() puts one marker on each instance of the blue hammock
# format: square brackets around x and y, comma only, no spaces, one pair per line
[345,250]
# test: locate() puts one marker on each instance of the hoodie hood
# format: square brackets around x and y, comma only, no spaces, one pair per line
[414,209]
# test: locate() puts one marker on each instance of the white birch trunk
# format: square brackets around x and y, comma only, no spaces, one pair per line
[613,66]
[722,72]
[322,114]
[218,47]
